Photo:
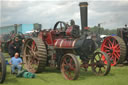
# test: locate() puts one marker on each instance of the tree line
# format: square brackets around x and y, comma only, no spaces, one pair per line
[101,30]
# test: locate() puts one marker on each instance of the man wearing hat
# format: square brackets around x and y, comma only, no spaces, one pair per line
[17,45]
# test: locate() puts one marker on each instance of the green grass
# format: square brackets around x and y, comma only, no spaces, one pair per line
[117,76]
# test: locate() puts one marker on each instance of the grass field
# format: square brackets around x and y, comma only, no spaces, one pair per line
[117,76]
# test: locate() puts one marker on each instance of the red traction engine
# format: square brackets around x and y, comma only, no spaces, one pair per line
[60,47]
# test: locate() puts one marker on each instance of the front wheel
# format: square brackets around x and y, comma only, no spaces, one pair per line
[100,63]
[2,68]
[70,67]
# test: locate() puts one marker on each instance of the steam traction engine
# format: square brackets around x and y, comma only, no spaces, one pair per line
[117,46]
[60,47]
[6,39]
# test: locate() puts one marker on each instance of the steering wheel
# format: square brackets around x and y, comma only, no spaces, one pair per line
[62,28]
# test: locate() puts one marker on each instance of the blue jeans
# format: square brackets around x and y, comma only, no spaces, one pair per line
[16,66]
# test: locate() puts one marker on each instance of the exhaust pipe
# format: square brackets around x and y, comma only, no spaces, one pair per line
[15,26]
[84,16]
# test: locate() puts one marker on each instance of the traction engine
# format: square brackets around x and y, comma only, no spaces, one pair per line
[60,47]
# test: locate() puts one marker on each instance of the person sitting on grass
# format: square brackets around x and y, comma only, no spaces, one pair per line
[16,62]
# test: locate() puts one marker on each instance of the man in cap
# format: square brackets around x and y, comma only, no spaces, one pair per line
[17,45]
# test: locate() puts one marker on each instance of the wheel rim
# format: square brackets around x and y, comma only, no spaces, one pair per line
[69,68]
[111,46]
[0,68]
[30,54]
[34,55]
[100,63]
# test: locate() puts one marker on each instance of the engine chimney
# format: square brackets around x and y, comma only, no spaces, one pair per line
[15,26]
[84,16]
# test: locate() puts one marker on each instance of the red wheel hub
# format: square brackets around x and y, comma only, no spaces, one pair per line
[111,46]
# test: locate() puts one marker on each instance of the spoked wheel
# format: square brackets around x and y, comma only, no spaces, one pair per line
[2,68]
[70,67]
[35,55]
[100,63]
[115,47]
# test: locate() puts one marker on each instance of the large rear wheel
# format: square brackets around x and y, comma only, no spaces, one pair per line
[115,47]
[70,67]
[2,68]
[34,55]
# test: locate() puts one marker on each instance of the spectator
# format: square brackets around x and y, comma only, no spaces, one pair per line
[17,45]
[11,48]
[16,62]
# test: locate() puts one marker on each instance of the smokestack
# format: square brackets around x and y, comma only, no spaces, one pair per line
[84,16]
[15,26]
[37,26]
[126,25]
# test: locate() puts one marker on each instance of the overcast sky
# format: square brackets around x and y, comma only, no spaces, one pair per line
[111,13]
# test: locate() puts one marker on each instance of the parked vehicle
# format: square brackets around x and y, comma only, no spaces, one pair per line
[60,46]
